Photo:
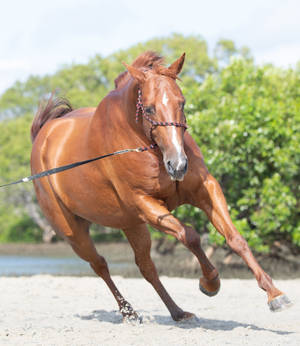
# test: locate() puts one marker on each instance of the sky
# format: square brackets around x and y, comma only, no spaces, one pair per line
[39,37]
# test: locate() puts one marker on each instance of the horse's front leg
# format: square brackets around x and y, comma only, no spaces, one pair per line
[140,241]
[209,197]
[156,214]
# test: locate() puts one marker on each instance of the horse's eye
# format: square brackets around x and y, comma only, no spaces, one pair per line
[150,110]
[182,106]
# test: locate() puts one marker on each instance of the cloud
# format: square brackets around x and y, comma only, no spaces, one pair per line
[7,64]
[41,36]
[283,55]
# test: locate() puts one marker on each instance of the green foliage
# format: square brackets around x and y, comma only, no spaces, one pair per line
[86,85]
[17,227]
[15,147]
[105,234]
[226,49]
[245,118]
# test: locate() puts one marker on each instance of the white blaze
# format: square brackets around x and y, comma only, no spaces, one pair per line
[175,141]
[165,99]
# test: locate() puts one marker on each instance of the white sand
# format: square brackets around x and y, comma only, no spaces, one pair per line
[47,310]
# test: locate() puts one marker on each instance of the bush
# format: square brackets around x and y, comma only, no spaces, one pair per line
[245,118]
[246,121]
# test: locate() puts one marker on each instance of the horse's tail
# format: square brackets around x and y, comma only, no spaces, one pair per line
[53,108]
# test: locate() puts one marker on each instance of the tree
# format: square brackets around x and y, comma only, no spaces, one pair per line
[245,118]
[246,121]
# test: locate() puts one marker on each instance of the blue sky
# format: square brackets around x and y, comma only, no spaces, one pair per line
[38,37]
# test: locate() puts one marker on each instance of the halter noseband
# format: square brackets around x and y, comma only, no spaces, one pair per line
[154,124]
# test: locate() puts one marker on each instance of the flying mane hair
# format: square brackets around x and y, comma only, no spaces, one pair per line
[146,61]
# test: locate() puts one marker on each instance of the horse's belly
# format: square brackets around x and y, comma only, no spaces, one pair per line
[104,210]
[97,203]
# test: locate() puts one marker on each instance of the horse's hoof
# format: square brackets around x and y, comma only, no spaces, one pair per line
[133,318]
[185,316]
[279,303]
[210,287]
[129,315]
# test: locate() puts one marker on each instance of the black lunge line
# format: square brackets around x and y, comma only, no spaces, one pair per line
[75,164]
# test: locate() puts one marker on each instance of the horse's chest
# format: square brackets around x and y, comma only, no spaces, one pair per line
[159,186]
[132,179]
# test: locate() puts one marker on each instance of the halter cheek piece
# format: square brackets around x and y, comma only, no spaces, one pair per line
[154,124]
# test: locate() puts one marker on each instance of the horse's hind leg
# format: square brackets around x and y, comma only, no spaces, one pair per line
[83,245]
[76,231]
[139,239]
[210,198]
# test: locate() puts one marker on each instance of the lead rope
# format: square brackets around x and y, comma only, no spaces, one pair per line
[139,107]
[72,165]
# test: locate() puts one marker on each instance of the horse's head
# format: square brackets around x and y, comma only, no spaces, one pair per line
[163,105]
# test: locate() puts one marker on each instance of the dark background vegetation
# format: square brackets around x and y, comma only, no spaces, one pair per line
[244,117]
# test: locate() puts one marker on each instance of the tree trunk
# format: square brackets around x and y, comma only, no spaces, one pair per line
[33,212]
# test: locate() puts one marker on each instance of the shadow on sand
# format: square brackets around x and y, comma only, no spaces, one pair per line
[115,317]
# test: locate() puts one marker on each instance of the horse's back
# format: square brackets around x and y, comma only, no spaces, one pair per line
[60,141]
[64,131]
[86,112]
[81,190]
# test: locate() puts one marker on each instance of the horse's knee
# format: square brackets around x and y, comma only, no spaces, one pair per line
[237,243]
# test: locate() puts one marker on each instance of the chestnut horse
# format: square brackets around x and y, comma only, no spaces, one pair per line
[136,189]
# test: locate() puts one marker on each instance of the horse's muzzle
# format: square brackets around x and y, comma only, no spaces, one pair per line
[177,168]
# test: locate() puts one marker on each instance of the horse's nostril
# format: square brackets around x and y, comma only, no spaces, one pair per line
[185,166]
[182,165]
[170,167]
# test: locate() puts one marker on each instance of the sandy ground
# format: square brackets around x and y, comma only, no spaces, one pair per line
[47,310]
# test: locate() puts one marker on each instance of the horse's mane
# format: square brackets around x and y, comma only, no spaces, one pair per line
[146,61]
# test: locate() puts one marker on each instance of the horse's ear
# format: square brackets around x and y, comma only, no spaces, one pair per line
[135,73]
[176,67]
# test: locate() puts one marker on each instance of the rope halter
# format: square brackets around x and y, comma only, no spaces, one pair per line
[154,124]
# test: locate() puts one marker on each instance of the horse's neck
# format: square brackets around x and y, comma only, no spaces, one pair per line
[128,102]
[119,122]
[128,99]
